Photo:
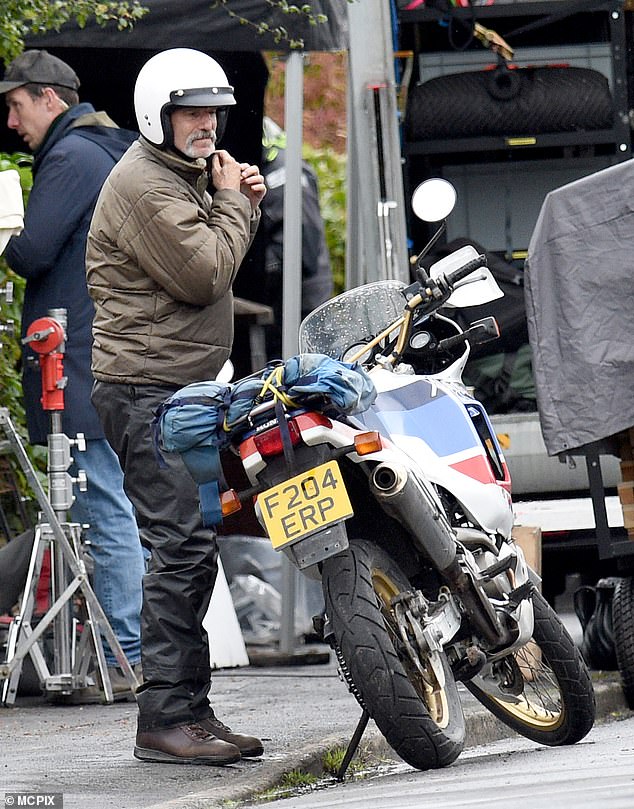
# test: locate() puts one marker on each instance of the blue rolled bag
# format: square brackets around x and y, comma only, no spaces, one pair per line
[202,419]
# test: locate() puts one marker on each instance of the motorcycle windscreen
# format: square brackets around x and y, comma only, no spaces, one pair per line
[352,319]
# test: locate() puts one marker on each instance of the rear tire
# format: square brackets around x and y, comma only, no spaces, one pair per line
[547,692]
[421,720]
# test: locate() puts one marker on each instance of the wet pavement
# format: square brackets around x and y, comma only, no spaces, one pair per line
[300,711]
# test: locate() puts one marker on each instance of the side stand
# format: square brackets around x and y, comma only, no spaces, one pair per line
[353,745]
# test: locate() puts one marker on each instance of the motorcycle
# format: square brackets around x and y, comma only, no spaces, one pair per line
[401,506]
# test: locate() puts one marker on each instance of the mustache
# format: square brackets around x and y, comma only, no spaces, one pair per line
[202,134]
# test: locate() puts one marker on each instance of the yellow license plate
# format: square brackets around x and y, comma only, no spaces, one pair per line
[305,504]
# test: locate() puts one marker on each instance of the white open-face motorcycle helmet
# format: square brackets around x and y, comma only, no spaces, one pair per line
[180,77]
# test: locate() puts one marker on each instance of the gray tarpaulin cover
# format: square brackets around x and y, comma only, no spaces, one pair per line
[579,283]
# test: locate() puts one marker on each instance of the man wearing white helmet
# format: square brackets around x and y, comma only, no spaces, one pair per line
[161,259]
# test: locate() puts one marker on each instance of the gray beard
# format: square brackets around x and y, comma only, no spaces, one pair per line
[189,146]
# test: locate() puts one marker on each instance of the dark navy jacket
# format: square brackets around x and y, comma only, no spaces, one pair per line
[69,170]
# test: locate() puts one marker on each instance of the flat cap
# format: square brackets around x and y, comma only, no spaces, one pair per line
[38,67]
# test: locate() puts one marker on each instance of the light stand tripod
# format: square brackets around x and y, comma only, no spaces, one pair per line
[71,660]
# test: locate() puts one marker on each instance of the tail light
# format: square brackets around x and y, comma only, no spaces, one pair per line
[270,444]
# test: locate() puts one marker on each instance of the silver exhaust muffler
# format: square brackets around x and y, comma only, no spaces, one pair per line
[406,499]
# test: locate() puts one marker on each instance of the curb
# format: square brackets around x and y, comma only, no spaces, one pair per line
[481,728]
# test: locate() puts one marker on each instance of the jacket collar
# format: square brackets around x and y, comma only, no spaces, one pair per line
[83,114]
[193,171]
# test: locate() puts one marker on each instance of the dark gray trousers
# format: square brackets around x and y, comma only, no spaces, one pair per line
[183,565]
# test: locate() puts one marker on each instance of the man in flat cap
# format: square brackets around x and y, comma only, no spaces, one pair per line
[74,149]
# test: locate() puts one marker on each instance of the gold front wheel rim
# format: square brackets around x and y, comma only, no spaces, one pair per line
[426,685]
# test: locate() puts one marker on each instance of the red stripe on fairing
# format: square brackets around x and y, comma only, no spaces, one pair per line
[479,469]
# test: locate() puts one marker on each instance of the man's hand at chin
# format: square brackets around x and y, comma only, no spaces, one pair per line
[226,172]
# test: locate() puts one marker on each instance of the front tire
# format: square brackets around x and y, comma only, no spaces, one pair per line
[421,720]
[544,690]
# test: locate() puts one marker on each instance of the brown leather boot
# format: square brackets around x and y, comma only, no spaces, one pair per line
[249,746]
[185,744]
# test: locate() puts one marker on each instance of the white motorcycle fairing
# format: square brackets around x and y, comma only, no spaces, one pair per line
[448,435]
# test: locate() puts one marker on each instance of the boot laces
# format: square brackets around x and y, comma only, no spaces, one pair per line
[217,723]
[197,732]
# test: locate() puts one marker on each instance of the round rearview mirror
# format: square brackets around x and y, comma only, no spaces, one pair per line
[433,200]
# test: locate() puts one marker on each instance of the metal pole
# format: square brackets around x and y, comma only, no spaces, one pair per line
[374,152]
[60,573]
[292,253]
[292,282]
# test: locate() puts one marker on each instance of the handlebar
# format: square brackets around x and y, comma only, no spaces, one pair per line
[432,295]
[462,272]
[435,292]
[451,342]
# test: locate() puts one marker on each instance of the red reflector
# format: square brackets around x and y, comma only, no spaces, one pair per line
[270,443]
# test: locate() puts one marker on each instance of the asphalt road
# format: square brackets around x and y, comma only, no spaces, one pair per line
[300,711]
[596,773]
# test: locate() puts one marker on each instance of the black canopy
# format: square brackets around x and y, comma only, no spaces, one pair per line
[195,24]
[108,61]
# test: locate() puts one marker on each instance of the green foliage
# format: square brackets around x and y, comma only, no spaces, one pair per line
[330,168]
[21,162]
[280,33]
[324,123]
[333,759]
[297,778]
[11,390]
[23,18]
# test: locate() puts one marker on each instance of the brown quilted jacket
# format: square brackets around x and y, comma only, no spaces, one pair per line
[161,258]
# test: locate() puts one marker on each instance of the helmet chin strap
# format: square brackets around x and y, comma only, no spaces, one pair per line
[168,132]
[222,113]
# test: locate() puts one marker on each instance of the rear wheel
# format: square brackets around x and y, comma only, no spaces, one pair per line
[543,691]
[420,716]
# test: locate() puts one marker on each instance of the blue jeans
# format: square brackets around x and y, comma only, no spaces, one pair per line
[114,545]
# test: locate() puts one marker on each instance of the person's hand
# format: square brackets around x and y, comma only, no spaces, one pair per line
[226,172]
[252,184]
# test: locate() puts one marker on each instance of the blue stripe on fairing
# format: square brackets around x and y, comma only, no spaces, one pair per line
[411,410]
